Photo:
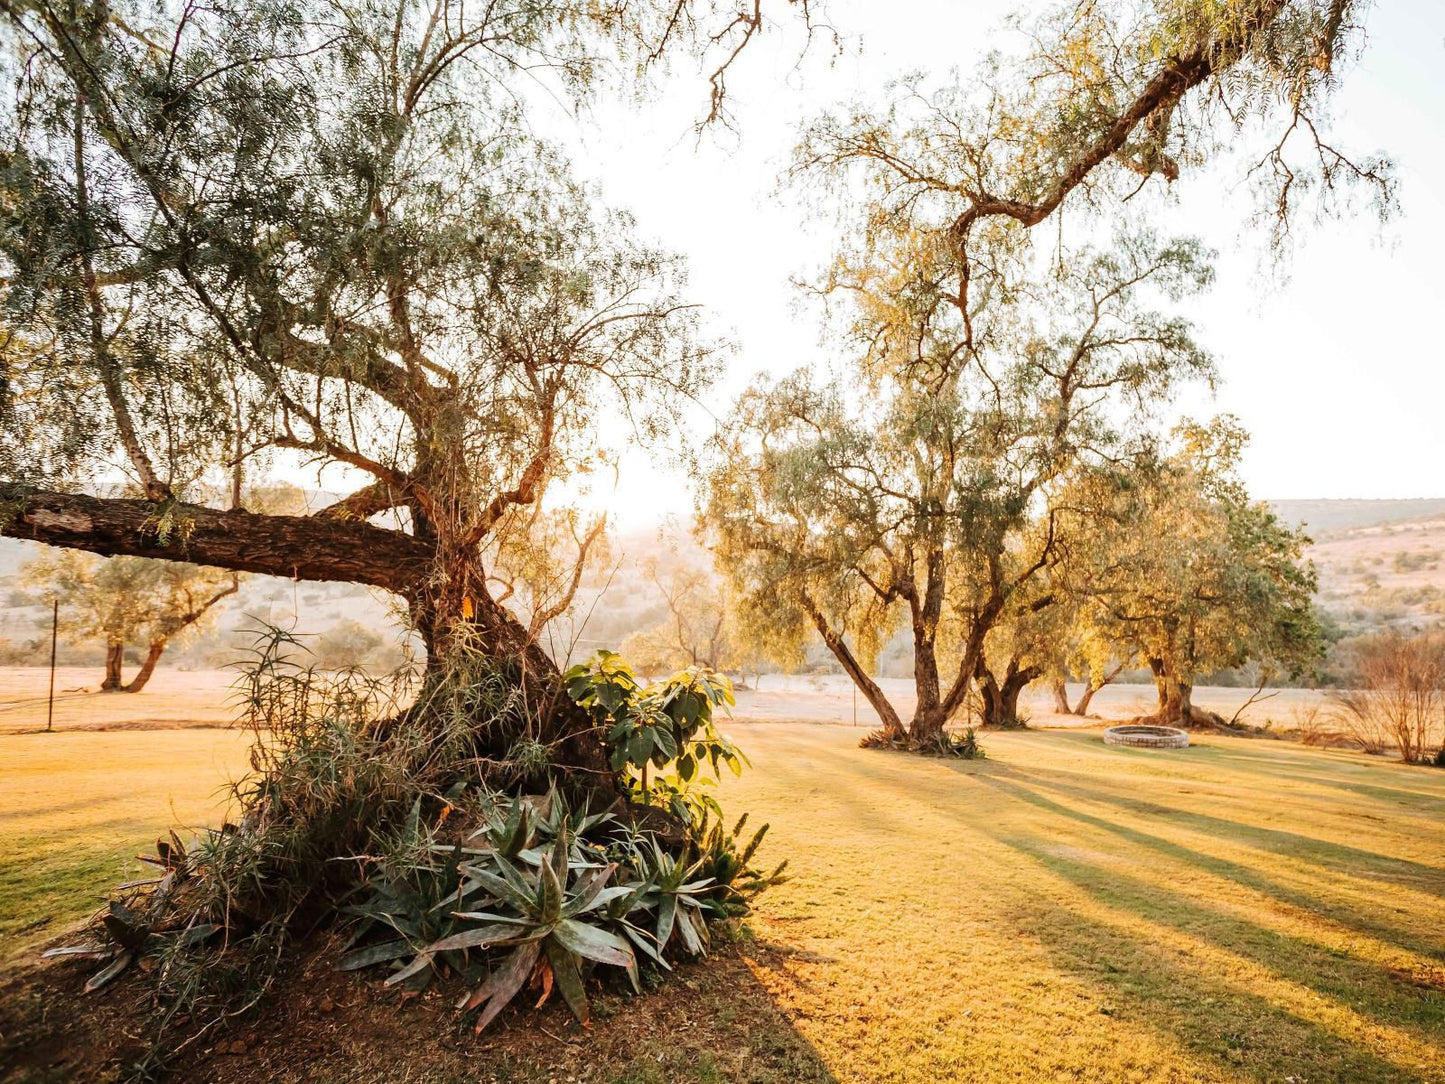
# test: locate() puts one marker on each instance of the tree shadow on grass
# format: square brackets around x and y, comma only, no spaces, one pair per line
[1245,1034]
[1338,857]
[1390,997]
[1246,876]
[1327,776]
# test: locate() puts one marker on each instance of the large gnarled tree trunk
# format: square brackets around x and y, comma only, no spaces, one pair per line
[442,589]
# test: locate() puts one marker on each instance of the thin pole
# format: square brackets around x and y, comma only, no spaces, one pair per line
[855,704]
[54,631]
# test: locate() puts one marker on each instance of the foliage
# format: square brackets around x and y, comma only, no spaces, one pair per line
[1194,575]
[359,807]
[990,371]
[346,643]
[664,725]
[962,745]
[929,502]
[696,629]
[124,600]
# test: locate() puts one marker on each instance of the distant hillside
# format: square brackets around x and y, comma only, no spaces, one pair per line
[1338,515]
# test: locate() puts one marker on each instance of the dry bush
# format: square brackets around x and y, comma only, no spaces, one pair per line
[1312,725]
[1399,695]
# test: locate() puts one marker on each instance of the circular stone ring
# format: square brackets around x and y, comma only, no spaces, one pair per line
[1147,737]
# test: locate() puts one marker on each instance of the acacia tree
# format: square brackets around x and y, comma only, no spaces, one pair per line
[852,511]
[928,499]
[126,600]
[1198,578]
[325,231]
[695,628]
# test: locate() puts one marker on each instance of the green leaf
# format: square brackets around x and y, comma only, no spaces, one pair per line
[499,933]
[593,943]
[502,985]
[374,954]
[568,979]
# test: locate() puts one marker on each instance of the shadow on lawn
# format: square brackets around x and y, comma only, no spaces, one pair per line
[1246,876]
[1327,776]
[1213,1016]
[1243,1032]
[1388,996]
[1333,856]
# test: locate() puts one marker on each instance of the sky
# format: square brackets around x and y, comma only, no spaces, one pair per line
[1331,358]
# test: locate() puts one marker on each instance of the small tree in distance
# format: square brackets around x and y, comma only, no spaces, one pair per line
[1196,576]
[129,600]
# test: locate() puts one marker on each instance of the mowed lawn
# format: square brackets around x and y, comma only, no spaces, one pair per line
[1064,911]
[77,806]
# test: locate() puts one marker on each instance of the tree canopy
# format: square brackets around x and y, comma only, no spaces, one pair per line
[1195,577]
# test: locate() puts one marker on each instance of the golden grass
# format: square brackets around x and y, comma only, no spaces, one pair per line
[1064,911]
[1071,911]
[172,698]
[76,807]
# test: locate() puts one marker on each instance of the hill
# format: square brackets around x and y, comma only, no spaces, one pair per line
[1324,516]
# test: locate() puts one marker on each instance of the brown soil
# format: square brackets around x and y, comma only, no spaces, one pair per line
[705,1022]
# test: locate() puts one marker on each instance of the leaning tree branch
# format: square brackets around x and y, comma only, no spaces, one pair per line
[299,547]
[364,503]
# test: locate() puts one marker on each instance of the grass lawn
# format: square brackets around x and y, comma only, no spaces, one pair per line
[1064,911]
[76,807]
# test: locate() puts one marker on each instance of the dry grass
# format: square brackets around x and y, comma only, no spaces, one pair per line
[75,807]
[172,698]
[1238,911]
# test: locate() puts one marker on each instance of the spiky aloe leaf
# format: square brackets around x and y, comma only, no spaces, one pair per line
[89,952]
[693,930]
[666,917]
[128,928]
[510,889]
[114,968]
[420,964]
[499,989]
[374,954]
[549,894]
[568,979]
[594,943]
[499,933]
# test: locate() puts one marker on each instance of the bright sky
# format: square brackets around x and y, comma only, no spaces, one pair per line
[1335,371]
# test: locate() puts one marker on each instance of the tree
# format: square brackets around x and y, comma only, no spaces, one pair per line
[327,233]
[695,628]
[1398,691]
[980,394]
[126,600]
[928,499]
[1199,577]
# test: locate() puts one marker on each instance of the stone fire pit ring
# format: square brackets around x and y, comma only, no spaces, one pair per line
[1141,736]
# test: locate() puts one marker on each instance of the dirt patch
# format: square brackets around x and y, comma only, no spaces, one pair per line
[708,1021]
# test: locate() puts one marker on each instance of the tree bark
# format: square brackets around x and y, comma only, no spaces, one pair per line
[1001,699]
[299,547]
[1061,697]
[444,587]
[148,667]
[1175,696]
[114,658]
[892,725]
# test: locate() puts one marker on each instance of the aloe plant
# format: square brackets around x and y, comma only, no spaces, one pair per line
[543,914]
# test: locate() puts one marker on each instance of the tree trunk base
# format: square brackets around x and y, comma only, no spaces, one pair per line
[1199,719]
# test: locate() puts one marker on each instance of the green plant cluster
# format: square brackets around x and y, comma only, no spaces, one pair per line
[548,893]
[661,735]
[363,810]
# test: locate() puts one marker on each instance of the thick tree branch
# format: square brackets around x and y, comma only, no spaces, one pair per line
[296,546]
